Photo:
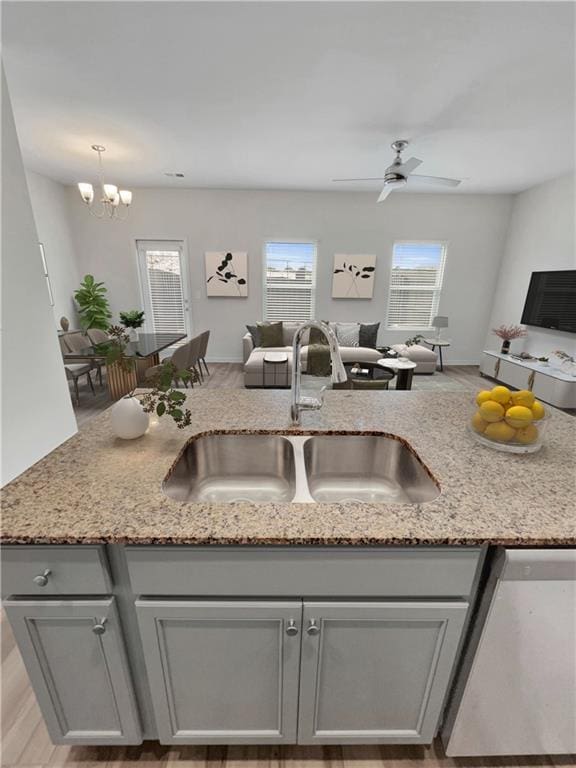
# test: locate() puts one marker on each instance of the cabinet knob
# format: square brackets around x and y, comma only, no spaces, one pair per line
[292,629]
[98,627]
[313,628]
[42,578]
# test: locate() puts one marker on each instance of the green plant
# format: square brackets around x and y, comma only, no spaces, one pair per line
[93,307]
[114,350]
[132,319]
[164,399]
[414,340]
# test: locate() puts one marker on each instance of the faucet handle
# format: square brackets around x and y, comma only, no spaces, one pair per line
[311,403]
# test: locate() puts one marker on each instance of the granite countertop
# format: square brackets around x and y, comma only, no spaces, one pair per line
[96,488]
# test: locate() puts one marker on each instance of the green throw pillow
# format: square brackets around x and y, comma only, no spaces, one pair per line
[271,334]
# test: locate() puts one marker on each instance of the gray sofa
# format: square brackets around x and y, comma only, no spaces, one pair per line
[256,374]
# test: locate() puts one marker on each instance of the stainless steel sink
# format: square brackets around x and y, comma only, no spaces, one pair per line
[366,468]
[232,468]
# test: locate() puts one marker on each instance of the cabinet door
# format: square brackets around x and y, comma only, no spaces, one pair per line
[376,672]
[223,671]
[74,655]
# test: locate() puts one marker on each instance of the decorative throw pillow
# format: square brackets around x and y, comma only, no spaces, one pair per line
[255,333]
[271,334]
[348,334]
[369,335]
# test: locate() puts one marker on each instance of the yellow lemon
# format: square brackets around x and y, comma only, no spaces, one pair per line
[491,411]
[538,410]
[519,416]
[527,435]
[500,395]
[500,431]
[482,396]
[523,397]
[478,422]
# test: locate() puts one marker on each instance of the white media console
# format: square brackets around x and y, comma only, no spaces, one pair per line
[552,385]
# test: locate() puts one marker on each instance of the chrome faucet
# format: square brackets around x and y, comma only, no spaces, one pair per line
[339,375]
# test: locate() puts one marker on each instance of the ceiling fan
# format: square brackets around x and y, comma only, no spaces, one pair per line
[399,173]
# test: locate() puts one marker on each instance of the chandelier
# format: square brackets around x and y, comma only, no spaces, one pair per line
[114,202]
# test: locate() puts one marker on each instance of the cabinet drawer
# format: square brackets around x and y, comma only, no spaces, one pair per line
[73,570]
[289,571]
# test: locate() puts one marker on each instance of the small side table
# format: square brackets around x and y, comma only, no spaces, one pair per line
[438,343]
[404,370]
[275,360]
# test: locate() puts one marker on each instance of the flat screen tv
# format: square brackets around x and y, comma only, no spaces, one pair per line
[551,300]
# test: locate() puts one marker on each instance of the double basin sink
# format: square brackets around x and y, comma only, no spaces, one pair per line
[233,467]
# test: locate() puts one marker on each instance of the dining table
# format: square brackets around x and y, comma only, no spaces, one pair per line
[145,351]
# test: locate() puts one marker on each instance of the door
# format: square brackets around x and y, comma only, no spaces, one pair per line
[223,671]
[74,654]
[376,672]
[165,286]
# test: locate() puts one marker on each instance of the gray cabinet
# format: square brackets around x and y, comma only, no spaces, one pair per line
[223,671]
[75,658]
[376,672]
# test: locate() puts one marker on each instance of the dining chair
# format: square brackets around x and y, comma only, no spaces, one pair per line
[194,359]
[75,370]
[179,359]
[97,336]
[204,339]
[77,342]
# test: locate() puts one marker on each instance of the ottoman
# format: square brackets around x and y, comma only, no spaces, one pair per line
[424,358]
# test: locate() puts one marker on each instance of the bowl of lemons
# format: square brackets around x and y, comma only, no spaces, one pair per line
[509,421]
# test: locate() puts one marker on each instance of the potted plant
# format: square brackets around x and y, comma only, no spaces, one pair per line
[508,333]
[129,417]
[132,320]
[93,307]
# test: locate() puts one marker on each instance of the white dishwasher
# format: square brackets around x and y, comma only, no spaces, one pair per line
[516,694]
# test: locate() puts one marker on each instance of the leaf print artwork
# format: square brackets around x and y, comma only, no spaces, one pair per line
[353,276]
[226,274]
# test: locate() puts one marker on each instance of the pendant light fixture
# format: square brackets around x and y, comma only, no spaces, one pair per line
[113,202]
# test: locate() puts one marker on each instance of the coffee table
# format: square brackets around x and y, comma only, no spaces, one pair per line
[404,370]
[366,376]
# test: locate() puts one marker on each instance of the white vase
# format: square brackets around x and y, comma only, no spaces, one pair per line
[133,334]
[127,418]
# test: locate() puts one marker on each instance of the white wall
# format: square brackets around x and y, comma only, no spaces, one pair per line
[474,225]
[49,204]
[541,236]
[36,407]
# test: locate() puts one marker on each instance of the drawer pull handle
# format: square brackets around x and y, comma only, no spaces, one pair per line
[313,628]
[42,579]
[292,629]
[99,626]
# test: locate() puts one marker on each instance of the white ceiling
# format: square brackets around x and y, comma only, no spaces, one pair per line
[290,95]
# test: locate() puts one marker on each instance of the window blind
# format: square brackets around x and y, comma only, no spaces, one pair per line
[415,285]
[162,284]
[290,281]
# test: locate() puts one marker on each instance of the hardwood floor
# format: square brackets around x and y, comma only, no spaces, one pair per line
[230,375]
[25,743]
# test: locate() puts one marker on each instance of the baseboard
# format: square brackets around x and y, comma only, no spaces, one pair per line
[224,359]
[462,362]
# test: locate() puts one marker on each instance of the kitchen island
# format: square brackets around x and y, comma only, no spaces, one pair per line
[141,616]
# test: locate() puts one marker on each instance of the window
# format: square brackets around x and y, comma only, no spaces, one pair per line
[290,281]
[415,284]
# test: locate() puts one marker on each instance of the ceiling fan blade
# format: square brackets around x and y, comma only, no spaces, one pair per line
[410,165]
[371,178]
[437,180]
[385,192]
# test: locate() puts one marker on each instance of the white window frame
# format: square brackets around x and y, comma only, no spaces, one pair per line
[181,242]
[295,241]
[436,289]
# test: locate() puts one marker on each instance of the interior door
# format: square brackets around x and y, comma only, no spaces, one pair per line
[376,672]
[74,654]
[165,286]
[223,671]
